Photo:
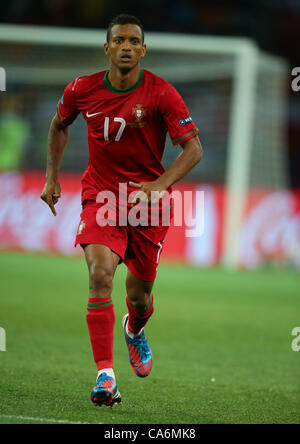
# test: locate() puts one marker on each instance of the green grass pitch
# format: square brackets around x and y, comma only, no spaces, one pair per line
[221,343]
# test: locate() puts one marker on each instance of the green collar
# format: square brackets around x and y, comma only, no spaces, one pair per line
[122,91]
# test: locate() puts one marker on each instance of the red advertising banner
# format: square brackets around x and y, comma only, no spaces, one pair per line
[271,228]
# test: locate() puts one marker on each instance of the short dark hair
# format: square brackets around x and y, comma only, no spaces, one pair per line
[124,19]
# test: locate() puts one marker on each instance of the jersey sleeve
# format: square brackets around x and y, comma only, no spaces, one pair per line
[177,118]
[66,106]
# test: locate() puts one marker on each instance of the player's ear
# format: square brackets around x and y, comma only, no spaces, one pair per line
[144,50]
[106,48]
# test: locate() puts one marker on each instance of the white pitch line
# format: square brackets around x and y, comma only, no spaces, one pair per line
[56,421]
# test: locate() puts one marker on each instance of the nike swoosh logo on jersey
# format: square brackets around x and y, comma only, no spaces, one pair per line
[91,115]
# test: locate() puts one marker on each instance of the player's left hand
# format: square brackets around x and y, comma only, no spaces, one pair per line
[150,192]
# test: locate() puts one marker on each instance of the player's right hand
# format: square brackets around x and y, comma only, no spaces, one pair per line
[50,194]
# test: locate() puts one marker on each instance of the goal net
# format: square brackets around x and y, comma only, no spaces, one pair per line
[235,94]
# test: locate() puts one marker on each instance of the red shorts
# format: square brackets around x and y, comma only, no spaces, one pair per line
[138,247]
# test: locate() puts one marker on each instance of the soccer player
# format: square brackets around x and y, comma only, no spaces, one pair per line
[128,111]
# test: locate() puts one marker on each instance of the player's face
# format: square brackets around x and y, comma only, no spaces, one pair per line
[125,47]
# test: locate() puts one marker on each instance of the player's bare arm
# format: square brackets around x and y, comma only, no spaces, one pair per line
[189,157]
[57,140]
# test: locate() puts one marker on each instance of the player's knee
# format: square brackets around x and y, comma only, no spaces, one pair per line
[101,281]
[140,301]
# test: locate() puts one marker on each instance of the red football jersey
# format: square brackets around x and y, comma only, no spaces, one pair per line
[126,128]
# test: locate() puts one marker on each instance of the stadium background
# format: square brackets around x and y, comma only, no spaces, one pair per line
[274,24]
[266,301]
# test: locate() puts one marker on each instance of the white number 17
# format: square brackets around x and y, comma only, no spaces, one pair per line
[121,129]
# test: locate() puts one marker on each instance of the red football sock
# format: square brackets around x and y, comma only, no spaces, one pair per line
[137,321]
[101,320]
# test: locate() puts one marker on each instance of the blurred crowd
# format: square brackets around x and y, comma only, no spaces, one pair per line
[274,24]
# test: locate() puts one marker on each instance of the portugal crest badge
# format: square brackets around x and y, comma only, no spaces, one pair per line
[139,112]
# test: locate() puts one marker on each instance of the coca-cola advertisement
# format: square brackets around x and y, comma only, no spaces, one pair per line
[270,229]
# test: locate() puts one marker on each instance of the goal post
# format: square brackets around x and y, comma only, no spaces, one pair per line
[240,143]
[228,80]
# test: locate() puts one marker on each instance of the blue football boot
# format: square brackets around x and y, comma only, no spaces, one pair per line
[105,392]
[140,355]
